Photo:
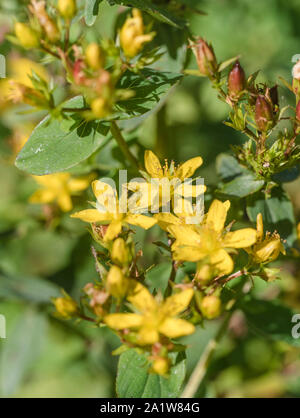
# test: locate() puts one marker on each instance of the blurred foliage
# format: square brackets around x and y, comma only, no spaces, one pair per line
[42,251]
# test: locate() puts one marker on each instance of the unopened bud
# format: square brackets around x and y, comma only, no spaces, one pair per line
[298,111]
[296,71]
[160,366]
[263,114]
[120,252]
[38,9]
[236,80]
[211,306]
[66,307]
[67,8]
[206,58]
[27,37]
[94,56]
[78,72]
[116,282]
[100,108]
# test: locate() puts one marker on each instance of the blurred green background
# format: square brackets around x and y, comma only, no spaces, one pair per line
[43,356]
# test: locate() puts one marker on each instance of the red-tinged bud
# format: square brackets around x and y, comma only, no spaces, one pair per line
[273,92]
[298,111]
[78,73]
[206,58]
[263,114]
[236,80]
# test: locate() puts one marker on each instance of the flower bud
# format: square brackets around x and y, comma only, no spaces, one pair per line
[116,283]
[263,114]
[100,108]
[298,111]
[78,72]
[296,71]
[120,253]
[66,307]
[160,366]
[132,37]
[206,58]
[236,80]
[38,9]
[94,56]
[210,306]
[28,37]
[204,273]
[67,8]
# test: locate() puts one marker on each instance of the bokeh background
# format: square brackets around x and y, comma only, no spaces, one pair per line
[43,251]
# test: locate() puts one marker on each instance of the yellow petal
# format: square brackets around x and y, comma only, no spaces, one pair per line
[64,202]
[177,303]
[185,234]
[106,196]
[123,320]
[42,196]
[164,220]
[187,169]
[141,298]
[259,227]
[92,215]
[222,261]
[113,230]
[140,220]
[242,238]
[187,253]
[147,336]
[78,184]
[174,328]
[217,214]
[189,190]
[153,165]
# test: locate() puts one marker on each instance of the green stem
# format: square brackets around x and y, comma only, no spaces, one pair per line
[202,365]
[115,130]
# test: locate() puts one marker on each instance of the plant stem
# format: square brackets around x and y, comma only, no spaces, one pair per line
[202,365]
[115,130]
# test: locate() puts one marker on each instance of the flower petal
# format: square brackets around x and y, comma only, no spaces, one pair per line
[185,235]
[187,253]
[174,327]
[217,214]
[141,298]
[64,202]
[123,320]
[177,303]
[140,220]
[92,215]
[147,336]
[242,238]
[222,261]
[187,169]
[153,165]
[113,230]
[42,196]
[259,227]
[78,184]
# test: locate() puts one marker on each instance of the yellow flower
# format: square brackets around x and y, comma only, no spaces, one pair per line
[266,249]
[132,36]
[210,241]
[165,184]
[58,188]
[120,253]
[155,318]
[108,212]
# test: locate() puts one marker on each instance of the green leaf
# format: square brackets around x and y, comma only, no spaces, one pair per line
[134,380]
[277,212]
[31,289]
[242,186]
[57,145]
[149,86]
[91,11]
[20,350]
[228,167]
[270,319]
[155,11]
